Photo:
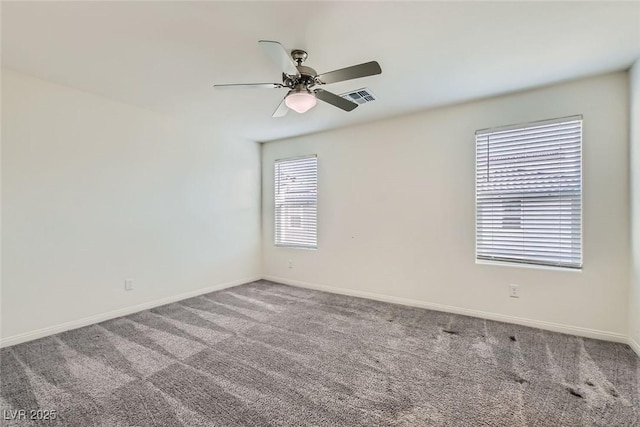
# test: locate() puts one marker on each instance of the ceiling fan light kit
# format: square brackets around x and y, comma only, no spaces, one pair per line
[300,101]
[302,80]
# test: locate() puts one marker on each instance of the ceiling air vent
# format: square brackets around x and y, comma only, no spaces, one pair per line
[360,96]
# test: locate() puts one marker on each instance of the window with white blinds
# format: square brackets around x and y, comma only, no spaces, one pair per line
[529,193]
[296,202]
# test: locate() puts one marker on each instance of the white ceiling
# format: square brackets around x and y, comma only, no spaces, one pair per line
[165,56]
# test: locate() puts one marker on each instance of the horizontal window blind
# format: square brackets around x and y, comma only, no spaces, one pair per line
[296,202]
[529,193]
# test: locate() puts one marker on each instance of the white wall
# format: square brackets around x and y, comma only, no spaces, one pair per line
[634,297]
[397,212]
[95,191]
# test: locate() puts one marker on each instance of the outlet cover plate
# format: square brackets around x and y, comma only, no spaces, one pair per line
[514,291]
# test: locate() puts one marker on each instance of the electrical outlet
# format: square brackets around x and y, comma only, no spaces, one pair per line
[514,291]
[128,284]
[290,264]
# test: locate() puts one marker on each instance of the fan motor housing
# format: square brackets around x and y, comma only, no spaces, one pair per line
[307,77]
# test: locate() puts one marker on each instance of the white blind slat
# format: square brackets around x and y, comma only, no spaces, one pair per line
[296,202]
[529,193]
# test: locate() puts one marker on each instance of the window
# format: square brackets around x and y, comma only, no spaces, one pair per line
[529,193]
[296,202]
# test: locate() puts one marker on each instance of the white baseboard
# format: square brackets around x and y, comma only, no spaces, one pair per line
[634,345]
[40,333]
[556,327]
[550,326]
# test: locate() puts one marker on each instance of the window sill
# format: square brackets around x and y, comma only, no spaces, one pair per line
[524,265]
[308,248]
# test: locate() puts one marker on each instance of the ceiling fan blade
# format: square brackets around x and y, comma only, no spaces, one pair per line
[282,110]
[362,70]
[335,100]
[250,86]
[280,57]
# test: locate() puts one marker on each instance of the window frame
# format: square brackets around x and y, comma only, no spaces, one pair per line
[275,204]
[524,262]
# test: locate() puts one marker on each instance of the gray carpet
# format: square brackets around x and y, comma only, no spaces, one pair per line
[266,354]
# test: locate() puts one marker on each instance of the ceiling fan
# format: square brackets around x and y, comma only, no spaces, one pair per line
[302,80]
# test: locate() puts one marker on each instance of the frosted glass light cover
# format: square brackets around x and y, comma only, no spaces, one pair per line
[300,102]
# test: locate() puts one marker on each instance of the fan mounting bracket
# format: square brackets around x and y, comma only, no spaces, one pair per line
[299,56]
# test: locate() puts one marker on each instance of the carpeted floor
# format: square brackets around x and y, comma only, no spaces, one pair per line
[266,354]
